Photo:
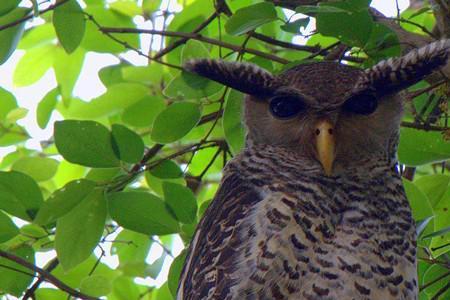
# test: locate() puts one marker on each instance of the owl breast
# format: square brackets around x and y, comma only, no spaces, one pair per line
[317,237]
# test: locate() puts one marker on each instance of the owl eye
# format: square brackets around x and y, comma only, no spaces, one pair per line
[283,107]
[364,104]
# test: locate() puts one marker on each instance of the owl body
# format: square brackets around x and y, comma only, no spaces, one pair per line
[313,207]
[297,234]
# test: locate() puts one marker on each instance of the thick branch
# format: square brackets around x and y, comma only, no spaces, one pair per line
[46,275]
[30,292]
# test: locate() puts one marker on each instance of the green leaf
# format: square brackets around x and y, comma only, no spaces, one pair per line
[12,281]
[141,212]
[313,9]
[434,186]
[64,200]
[437,233]
[294,27]
[12,135]
[125,288]
[181,201]
[96,286]
[432,274]
[175,272]
[383,43]
[191,86]
[418,147]
[8,5]
[33,65]
[87,143]
[95,40]
[50,294]
[175,122]
[70,24]
[131,247]
[421,207]
[7,103]
[16,114]
[128,144]
[353,27]
[8,229]
[39,168]
[37,36]
[422,224]
[75,276]
[418,200]
[45,108]
[144,112]
[233,128]
[166,169]
[20,195]
[10,37]
[117,97]
[126,7]
[67,70]
[251,17]
[154,269]
[79,231]
[194,49]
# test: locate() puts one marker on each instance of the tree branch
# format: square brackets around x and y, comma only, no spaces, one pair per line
[46,275]
[423,126]
[30,292]
[182,41]
[31,16]
[198,37]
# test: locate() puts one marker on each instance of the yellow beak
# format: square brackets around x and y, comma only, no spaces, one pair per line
[325,145]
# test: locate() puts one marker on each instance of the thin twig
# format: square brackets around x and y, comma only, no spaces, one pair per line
[195,36]
[126,45]
[46,275]
[182,41]
[272,41]
[423,126]
[31,16]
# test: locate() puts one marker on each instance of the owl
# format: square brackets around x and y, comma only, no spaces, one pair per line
[313,207]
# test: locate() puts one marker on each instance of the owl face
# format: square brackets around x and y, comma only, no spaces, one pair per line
[322,113]
[328,112]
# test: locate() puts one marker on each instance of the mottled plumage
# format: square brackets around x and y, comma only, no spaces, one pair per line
[313,207]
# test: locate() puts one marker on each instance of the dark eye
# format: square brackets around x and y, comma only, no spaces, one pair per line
[285,107]
[364,104]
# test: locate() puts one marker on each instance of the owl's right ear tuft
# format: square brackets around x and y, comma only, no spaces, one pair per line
[395,74]
[245,77]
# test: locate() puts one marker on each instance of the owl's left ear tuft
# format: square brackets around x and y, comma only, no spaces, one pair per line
[395,74]
[245,77]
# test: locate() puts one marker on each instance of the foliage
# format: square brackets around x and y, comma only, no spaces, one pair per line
[133,169]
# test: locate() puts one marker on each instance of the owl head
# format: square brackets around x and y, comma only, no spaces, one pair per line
[328,112]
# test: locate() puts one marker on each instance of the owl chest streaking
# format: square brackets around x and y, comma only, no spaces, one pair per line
[313,207]
[297,234]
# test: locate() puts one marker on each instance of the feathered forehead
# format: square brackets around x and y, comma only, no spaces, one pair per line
[388,76]
[329,82]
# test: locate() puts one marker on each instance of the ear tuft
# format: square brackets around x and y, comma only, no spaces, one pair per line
[394,74]
[245,77]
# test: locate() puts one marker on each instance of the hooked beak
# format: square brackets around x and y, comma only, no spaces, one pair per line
[325,145]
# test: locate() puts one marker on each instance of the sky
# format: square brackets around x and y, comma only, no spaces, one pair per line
[89,86]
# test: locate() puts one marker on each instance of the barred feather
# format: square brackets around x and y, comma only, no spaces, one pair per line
[245,77]
[394,74]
